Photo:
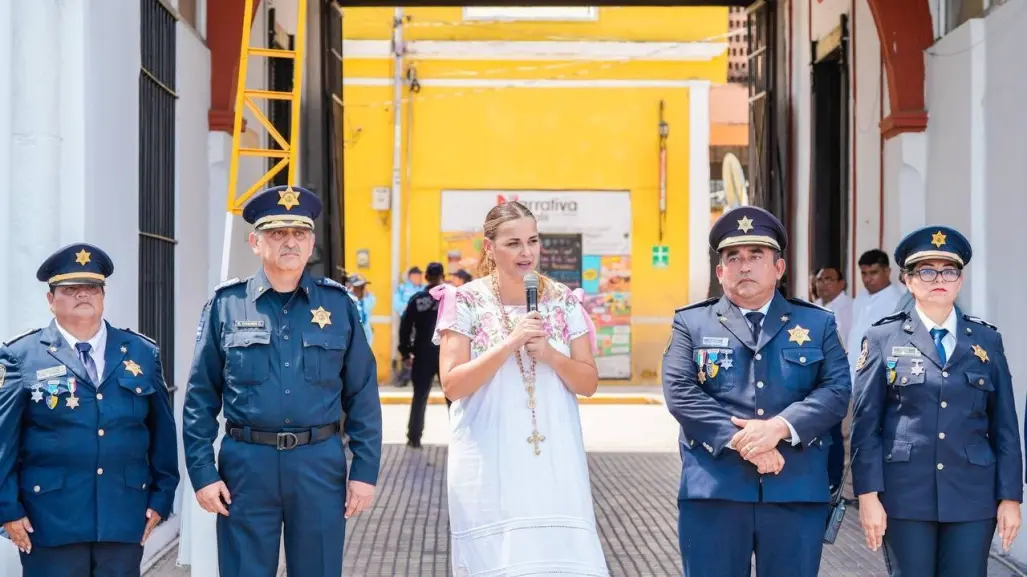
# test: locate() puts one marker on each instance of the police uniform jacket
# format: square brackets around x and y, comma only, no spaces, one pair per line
[275,368]
[712,370]
[938,442]
[419,319]
[84,460]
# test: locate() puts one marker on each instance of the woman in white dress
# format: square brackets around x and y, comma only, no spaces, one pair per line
[520,503]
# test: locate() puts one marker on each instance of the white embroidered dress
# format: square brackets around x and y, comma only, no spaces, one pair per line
[513,513]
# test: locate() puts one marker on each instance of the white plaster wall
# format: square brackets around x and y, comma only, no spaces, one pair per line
[974,137]
[192,216]
[953,150]
[866,137]
[800,102]
[111,151]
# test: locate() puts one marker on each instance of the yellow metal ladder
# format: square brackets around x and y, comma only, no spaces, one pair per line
[248,97]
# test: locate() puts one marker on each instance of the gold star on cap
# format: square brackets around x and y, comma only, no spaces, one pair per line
[745,224]
[82,257]
[938,239]
[133,368]
[980,353]
[288,198]
[321,317]
[798,335]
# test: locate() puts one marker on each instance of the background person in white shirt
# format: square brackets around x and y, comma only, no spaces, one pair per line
[831,290]
[877,300]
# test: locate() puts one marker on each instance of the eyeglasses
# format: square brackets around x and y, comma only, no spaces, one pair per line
[930,274]
[74,290]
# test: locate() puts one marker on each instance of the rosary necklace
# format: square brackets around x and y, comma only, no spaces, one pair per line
[528,376]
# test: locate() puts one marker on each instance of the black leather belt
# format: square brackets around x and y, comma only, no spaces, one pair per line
[284,440]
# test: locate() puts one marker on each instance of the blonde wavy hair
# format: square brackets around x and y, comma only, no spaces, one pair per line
[498,216]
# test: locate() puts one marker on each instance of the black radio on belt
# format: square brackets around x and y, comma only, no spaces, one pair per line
[838,507]
[282,440]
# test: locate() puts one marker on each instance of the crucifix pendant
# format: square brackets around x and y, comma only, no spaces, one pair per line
[535,439]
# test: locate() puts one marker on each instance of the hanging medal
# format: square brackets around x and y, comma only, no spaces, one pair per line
[892,361]
[712,367]
[72,401]
[52,387]
[726,362]
[700,360]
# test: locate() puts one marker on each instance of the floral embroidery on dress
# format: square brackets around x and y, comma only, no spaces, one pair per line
[483,322]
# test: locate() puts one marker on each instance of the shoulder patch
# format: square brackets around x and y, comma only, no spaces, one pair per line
[325,281]
[228,283]
[863,354]
[806,303]
[889,319]
[20,336]
[980,321]
[698,305]
[144,337]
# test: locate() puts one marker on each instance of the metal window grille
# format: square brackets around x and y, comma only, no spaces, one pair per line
[157,242]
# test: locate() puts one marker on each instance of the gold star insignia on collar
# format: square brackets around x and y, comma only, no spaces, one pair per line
[980,353]
[745,224]
[321,317]
[288,198]
[132,367]
[798,335]
[82,257]
[938,239]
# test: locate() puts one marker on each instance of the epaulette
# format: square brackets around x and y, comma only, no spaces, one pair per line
[326,281]
[980,321]
[901,315]
[806,303]
[697,305]
[20,336]
[144,337]
[229,282]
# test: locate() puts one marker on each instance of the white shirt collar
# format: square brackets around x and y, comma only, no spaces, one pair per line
[763,309]
[98,341]
[949,324]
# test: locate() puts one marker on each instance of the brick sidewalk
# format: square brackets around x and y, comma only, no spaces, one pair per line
[406,533]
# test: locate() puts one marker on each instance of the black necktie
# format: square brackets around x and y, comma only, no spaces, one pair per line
[87,360]
[755,319]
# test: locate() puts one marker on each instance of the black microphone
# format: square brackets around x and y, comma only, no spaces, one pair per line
[531,291]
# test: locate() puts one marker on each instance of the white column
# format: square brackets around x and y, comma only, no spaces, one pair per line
[800,90]
[978,303]
[6,140]
[905,170]
[698,191]
[35,156]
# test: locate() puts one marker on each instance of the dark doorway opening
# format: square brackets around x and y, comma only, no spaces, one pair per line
[829,183]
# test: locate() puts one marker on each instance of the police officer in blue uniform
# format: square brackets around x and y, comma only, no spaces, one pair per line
[935,439]
[284,355]
[88,451]
[756,382]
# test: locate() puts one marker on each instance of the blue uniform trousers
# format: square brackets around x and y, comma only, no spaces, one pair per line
[933,549]
[304,488]
[718,538]
[84,560]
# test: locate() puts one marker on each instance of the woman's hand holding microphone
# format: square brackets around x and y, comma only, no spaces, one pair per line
[529,333]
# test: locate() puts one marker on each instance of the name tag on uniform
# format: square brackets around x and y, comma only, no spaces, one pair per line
[905,352]
[715,341]
[249,324]
[58,371]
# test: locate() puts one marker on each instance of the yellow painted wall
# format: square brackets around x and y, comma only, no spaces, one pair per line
[527,138]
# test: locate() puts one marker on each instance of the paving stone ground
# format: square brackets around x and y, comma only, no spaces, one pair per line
[407,532]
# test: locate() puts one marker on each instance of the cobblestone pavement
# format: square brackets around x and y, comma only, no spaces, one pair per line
[406,533]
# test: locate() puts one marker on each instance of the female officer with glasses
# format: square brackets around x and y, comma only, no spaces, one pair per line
[936,445]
